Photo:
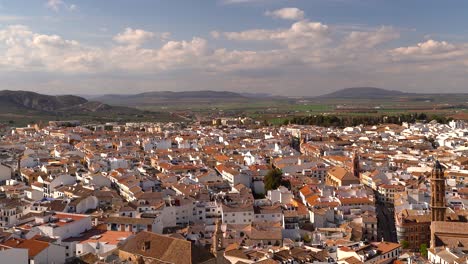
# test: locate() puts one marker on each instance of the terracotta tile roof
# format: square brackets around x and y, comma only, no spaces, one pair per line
[385,247]
[357,200]
[34,246]
[128,220]
[94,235]
[340,173]
[352,260]
[165,249]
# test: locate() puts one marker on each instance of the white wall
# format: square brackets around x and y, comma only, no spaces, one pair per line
[5,173]
[90,247]
[34,194]
[244,217]
[269,217]
[52,254]
[14,256]
[99,181]
[118,163]
[90,202]
[70,229]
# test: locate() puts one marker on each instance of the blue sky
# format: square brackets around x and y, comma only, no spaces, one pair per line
[285,47]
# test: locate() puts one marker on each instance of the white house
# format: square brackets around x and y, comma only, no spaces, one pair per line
[13,255]
[282,195]
[5,173]
[63,225]
[39,252]
[237,214]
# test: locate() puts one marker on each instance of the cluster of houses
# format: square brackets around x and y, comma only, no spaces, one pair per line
[167,193]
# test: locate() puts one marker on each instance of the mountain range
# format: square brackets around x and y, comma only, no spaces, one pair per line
[364,92]
[26,106]
[169,98]
[31,101]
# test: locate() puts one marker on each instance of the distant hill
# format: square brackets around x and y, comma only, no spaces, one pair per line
[31,101]
[364,93]
[29,106]
[36,101]
[167,98]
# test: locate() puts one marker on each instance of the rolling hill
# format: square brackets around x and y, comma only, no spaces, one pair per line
[171,98]
[24,100]
[364,93]
[25,106]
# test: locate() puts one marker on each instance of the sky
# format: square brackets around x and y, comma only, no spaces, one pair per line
[281,47]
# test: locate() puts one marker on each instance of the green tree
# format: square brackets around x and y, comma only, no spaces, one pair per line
[273,179]
[423,250]
[404,244]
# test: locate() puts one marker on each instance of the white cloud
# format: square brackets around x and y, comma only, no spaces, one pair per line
[23,50]
[215,34]
[133,36]
[431,56]
[430,47]
[288,13]
[302,50]
[165,36]
[370,39]
[56,5]
[28,51]
[299,35]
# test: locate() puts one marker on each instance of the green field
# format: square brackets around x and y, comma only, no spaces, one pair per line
[273,110]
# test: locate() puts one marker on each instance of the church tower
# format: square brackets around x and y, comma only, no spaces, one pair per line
[356,167]
[217,244]
[437,198]
[438,193]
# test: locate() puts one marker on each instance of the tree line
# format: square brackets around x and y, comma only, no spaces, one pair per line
[346,121]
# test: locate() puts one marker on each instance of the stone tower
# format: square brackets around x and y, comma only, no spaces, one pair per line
[438,193]
[217,244]
[437,199]
[356,167]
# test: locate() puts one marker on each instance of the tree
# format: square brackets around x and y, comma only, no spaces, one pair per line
[404,244]
[273,179]
[423,250]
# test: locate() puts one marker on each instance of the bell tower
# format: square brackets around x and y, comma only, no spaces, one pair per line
[356,166]
[217,244]
[437,198]
[438,193]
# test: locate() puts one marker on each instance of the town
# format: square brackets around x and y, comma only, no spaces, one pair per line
[233,190]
